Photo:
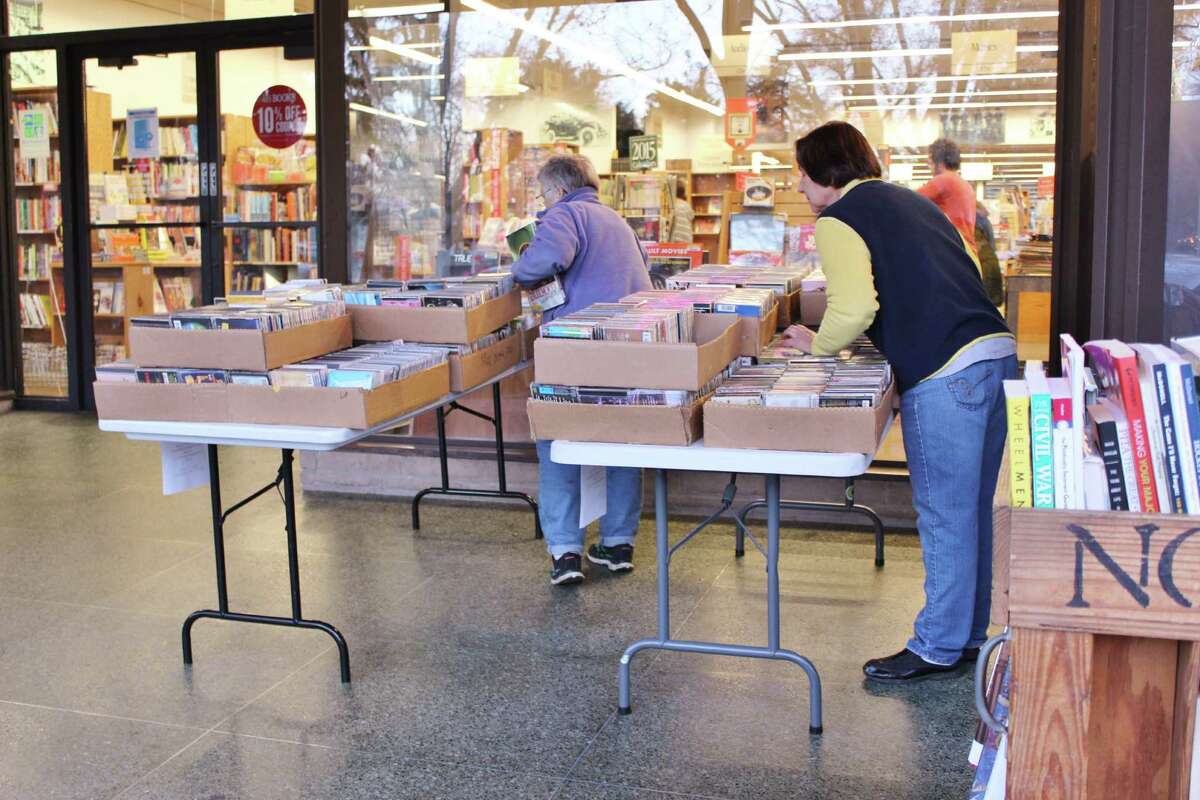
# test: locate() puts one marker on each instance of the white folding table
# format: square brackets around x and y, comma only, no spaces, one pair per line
[771,464]
[288,439]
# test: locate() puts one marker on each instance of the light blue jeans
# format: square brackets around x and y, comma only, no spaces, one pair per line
[558,505]
[954,431]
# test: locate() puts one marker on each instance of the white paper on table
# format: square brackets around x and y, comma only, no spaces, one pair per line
[997,783]
[593,494]
[184,466]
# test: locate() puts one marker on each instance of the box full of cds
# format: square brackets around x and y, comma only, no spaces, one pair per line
[794,401]
[607,346]
[459,312]
[484,360]
[232,337]
[357,388]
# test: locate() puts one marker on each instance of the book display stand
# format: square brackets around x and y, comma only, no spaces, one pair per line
[1105,649]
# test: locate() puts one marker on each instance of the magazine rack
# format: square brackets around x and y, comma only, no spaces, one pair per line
[1104,612]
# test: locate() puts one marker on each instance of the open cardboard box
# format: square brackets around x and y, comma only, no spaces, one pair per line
[812,307]
[757,332]
[255,351]
[811,430]
[470,370]
[446,325]
[663,425]
[789,310]
[684,365]
[271,405]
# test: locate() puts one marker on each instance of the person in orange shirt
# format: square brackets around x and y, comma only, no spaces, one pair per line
[953,195]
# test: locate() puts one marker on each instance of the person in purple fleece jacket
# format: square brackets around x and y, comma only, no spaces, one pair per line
[599,259]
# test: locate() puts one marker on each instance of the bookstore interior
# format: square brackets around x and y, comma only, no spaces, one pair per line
[166,248]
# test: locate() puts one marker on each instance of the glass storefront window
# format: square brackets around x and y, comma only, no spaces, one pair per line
[1181,295]
[452,112]
[27,17]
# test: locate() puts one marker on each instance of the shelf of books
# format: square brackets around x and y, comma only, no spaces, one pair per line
[1096,576]
[37,172]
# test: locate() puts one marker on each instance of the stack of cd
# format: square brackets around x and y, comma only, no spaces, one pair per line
[264,317]
[364,367]
[624,322]
[466,292]
[745,302]
[788,378]
[604,396]
[779,280]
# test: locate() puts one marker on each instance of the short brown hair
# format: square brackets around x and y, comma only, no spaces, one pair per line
[946,153]
[835,154]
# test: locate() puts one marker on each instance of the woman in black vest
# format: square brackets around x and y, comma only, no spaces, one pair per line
[900,272]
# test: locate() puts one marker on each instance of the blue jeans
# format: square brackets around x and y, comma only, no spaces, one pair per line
[558,505]
[954,431]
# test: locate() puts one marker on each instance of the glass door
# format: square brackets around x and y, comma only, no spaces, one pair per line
[142,134]
[268,173]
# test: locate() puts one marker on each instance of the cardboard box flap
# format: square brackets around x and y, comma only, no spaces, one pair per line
[661,425]
[641,365]
[447,325]
[256,351]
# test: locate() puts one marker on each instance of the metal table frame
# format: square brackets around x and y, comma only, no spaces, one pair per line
[287,438]
[771,465]
[501,492]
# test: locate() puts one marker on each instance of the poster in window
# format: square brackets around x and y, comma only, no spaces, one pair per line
[143,132]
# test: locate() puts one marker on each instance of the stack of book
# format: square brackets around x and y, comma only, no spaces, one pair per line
[1122,435]
[36,310]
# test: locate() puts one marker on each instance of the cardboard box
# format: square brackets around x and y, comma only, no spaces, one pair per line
[528,337]
[627,424]
[812,430]
[271,405]
[255,351]
[757,333]
[434,325]
[812,307]
[789,310]
[467,372]
[684,365]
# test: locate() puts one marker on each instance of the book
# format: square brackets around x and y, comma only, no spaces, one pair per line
[1157,403]
[1110,428]
[1066,479]
[1041,435]
[1016,399]
[1076,374]
[1116,367]
[1181,378]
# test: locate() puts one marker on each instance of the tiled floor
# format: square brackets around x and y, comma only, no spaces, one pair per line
[473,678]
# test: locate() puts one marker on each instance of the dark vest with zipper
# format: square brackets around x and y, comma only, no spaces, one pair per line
[931,298]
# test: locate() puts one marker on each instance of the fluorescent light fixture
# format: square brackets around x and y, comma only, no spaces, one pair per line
[1188,7]
[903,51]
[438,97]
[936,79]
[600,59]
[402,50]
[922,107]
[359,48]
[406,78]
[923,156]
[379,112]
[931,95]
[1179,45]
[921,20]
[397,11]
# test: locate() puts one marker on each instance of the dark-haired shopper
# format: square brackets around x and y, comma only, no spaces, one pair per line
[949,191]
[900,272]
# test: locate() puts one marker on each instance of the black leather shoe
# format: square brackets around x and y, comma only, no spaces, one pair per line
[969,656]
[905,667]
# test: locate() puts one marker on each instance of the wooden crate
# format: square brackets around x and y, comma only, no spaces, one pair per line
[1105,650]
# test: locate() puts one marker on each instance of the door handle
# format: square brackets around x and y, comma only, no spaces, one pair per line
[204,179]
[212,179]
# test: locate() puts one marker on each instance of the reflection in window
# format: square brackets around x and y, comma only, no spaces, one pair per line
[1181,312]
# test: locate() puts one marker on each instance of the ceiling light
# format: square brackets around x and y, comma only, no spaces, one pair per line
[397,11]
[405,78]
[903,51]
[1188,7]
[402,50]
[922,156]
[935,78]
[921,20]
[931,95]
[598,58]
[379,112]
[923,107]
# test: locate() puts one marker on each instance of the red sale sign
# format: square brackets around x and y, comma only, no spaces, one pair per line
[279,117]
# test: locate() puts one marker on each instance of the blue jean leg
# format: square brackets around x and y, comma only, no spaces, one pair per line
[950,433]
[558,504]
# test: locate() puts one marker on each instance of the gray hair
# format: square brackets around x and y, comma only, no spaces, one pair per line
[946,153]
[568,173]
